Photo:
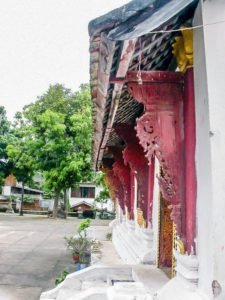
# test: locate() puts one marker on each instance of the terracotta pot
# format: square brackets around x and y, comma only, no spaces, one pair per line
[76,258]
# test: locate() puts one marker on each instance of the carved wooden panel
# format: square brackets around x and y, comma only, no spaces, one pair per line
[160,131]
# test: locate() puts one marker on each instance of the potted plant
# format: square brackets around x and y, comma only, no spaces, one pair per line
[77,245]
[80,245]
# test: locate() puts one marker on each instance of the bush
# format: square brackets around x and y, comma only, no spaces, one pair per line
[61,277]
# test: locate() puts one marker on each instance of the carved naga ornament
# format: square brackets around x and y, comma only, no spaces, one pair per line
[160,130]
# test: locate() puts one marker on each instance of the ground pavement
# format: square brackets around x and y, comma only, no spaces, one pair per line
[32,254]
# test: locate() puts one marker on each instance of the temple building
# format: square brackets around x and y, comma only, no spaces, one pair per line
[157,83]
[157,72]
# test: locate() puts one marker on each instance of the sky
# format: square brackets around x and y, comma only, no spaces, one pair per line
[44,42]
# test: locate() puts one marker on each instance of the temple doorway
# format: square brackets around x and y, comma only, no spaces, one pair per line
[165,239]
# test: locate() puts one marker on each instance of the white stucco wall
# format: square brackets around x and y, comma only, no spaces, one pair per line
[209,60]
[214,11]
[6,190]
[74,201]
[203,161]
[155,211]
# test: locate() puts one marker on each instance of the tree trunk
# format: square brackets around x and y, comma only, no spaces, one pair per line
[22,197]
[65,201]
[56,204]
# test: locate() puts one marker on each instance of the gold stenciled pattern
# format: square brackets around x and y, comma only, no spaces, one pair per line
[183,49]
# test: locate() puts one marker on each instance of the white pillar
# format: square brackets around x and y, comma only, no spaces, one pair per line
[155,211]
[209,63]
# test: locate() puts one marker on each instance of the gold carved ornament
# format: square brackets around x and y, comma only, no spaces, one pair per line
[180,246]
[128,215]
[183,49]
[140,219]
[177,245]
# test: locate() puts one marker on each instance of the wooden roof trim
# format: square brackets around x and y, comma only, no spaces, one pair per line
[126,55]
[102,52]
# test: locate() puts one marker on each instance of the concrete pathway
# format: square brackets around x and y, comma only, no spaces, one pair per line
[32,254]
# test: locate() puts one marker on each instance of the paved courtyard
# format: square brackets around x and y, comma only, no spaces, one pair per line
[32,254]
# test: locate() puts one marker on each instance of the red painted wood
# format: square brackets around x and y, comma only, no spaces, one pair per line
[117,188]
[190,173]
[135,157]
[123,173]
[132,194]
[160,131]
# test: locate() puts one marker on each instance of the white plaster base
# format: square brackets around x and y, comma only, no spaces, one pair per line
[185,285]
[98,232]
[177,289]
[133,244]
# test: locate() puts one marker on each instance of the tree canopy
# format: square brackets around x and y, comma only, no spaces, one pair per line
[60,124]
[51,135]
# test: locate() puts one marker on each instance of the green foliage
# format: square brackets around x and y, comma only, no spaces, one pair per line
[4,136]
[4,123]
[29,199]
[83,225]
[60,123]
[61,277]
[104,195]
[77,245]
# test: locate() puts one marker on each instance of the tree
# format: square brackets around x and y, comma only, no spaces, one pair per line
[104,195]
[4,135]
[60,123]
[20,161]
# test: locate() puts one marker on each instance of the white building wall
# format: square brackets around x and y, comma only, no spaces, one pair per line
[74,201]
[203,161]
[155,212]
[213,12]
[209,60]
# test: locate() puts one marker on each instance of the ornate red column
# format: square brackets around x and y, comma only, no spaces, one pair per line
[122,172]
[114,183]
[160,131]
[134,156]
[189,145]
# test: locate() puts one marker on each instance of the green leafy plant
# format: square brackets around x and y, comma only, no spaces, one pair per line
[109,236]
[77,245]
[29,199]
[61,277]
[82,227]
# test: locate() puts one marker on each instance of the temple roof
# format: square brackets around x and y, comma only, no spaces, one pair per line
[120,41]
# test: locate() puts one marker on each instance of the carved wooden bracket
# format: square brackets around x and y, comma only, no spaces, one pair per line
[117,189]
[123,173]
[134,157]
[160,130]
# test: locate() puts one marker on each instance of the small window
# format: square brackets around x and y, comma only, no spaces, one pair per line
[75,193]
[87,192]
[83,192]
